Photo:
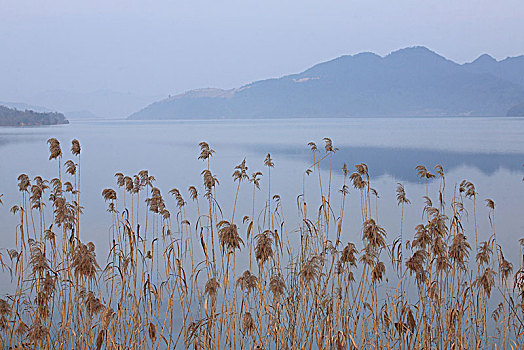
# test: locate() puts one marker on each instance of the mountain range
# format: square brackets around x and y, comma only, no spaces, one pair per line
[413,81]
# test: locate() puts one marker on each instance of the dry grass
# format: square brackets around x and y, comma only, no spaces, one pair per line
[171,280]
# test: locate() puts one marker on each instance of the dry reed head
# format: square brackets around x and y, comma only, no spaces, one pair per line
[490,204]
[505,267]
[255,179]
[112,208]
[422,172]
[64,213]
[109,194]
[439,247]
[54,148]
[415,264]
[178,197]
[240,172]
[75,147]
[70,167]
[459,250]
[5,308]
[378,272]
[357,181]
[48,285]
[228,236]
[137,184]
[129,184]
[344,190]
[68,186]
[441,263]
[210,181]
[369,255]
[38,260]
[36,193]
[348,254]
[41,182]
[84,261]
[193,193]
[120,182]
[311,270]
[422,237]
[484,253]
[373,234]
[264,246]
[437,226]
[339,267]
[144,176]
[205,151]
[467,188]
[401,194]
[277,285]
[486,281]
[23,182]
[329,145]
[247,282]
[14,209]
[211,288]
[345,170]
[362,169]
[268,161]
[93,305]
[440,170]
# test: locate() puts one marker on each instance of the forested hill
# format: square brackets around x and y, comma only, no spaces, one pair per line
[409,82]
[15,117]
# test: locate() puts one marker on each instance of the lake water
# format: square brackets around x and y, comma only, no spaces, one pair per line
[486,151]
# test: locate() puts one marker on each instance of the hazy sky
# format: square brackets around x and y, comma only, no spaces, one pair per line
[165,47]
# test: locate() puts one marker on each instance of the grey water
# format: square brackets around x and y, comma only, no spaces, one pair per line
[486,151]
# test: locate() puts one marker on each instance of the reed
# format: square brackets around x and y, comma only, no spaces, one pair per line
[198,276]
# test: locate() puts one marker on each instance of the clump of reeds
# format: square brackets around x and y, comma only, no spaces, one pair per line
[170,278]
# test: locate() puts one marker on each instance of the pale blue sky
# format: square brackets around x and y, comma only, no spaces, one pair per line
[165,47]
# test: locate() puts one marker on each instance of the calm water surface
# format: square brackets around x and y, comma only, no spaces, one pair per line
[486,151]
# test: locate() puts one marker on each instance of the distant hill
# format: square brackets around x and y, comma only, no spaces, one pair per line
[516,111]
[510,69]
[24,106]
[409,82]
[14,117]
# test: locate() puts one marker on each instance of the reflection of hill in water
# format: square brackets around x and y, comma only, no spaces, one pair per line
[401,163]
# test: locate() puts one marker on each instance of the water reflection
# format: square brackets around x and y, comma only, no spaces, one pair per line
[400,163]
